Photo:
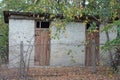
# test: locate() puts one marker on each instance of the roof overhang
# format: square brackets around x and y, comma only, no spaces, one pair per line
[29,15]
[45,16]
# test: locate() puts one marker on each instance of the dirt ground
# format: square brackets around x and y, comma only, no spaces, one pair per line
[61,73]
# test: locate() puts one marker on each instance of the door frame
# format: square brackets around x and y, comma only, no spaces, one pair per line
[88,57]
[49,43]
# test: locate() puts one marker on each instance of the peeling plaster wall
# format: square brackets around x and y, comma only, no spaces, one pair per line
[104,56]
[20,30]
[23,30]
[68,42]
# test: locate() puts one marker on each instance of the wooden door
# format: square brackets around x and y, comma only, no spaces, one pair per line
[42,47]
[88,54]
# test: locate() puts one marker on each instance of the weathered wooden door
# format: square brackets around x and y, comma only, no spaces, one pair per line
[42,47]
[88,56]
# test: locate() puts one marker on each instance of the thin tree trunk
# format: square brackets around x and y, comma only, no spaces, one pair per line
[22,63]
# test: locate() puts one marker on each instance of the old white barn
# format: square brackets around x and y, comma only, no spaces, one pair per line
[41,50]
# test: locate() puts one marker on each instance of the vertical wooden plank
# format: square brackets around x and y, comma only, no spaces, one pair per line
[96,38]
[88,49]
[89,37]
[93,55]
[97,47]
[37,47]
[45,47]
[48,49]
[41,50]
[43,54]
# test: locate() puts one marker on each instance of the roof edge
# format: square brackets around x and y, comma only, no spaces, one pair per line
[46,16]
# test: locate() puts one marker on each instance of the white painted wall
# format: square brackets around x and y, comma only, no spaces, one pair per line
[24,30]
[73,36]
[20,30]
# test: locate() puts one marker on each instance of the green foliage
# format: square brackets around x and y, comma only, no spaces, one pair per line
[4,32]
[59,28]
[111,25]
[3,41]
[111,44]
[92,27]
[70,53]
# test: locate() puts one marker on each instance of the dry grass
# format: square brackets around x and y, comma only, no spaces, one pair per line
[63,73]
